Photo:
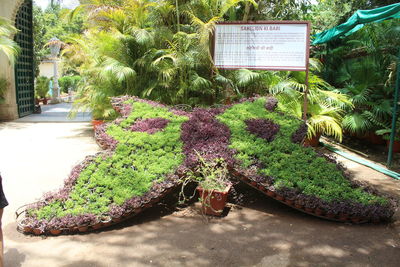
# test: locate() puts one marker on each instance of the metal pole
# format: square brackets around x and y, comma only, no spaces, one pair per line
[394,116]
[305,103]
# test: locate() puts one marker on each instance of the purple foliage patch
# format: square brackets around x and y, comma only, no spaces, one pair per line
[300,134]
[204,134]
[263,128]
[271,103]
[104,140]
[150,126]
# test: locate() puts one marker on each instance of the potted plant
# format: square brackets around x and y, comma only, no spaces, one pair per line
[386,136]
[42,88]
[213,184]
[83,221]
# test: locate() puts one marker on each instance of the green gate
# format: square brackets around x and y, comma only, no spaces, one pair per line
[24,68]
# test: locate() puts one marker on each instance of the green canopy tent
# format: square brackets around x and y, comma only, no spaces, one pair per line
[353,24]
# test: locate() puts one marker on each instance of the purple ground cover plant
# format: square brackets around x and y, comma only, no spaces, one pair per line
[104,140]
[300,134]
[263,128]
[149,126]
[204,134]
[271,103]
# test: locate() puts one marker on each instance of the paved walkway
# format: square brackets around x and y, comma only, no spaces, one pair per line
[56,113]
[36,157]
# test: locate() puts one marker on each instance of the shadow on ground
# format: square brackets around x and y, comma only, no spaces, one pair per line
[264,233]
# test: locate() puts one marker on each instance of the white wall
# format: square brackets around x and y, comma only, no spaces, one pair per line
[9,109]
[46,68]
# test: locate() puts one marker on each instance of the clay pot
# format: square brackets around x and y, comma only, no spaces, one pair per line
[271,193]
[298,206]
[37,231]
[217,200]
[27,229]
[106,224]
[138,210]
[253,183]
[280,197]
[96,123]
[310,210]
[375,220]
[55,231]
[117,220]
[396,146]
[355,219]
[262,188]
[314,141]
[83,228]
[319,211]
[98,225]
[330,215]
[374,138]
[343,216]
[290,202]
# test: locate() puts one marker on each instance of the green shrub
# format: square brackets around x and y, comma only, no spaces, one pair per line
[69,82]
[42,86]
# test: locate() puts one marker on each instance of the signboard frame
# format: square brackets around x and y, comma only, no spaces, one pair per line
[307,54]
[296,22]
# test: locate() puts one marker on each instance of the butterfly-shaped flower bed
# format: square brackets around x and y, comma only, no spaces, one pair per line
[151,146]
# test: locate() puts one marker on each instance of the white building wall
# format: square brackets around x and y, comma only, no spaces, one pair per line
[9,109]
[46,68]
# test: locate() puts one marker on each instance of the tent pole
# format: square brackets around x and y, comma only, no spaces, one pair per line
[394,115]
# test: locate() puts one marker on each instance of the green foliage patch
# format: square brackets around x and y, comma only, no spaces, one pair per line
[139,160]
[291,165]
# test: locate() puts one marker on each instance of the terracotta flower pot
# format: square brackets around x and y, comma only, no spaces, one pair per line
[271,193]
[355,219]
[298,206]
[310,210]
[217,200]
[290,202]
[96,123]
[27,229]
[262,188]
[55,231]
[37,231]
[314,141]
[319,211]
[330,215]
[396,146]
[373,138]
[97,225]
[83,228]
[343,216]
[279,197]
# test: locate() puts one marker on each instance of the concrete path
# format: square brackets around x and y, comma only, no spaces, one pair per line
[36,157]
[56,113]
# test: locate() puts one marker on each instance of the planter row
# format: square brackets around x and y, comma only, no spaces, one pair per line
[318,212]
[26,229]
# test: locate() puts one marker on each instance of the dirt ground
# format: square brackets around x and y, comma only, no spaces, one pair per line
[35,158]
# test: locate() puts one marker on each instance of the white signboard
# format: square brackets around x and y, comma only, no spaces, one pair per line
[267,46]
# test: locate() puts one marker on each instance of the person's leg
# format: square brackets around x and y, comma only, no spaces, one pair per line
[1,239]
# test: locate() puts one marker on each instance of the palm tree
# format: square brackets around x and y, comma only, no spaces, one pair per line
[7,45]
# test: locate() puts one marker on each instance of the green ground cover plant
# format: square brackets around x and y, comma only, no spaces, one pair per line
[153,147]
[290,164]
[140,159]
